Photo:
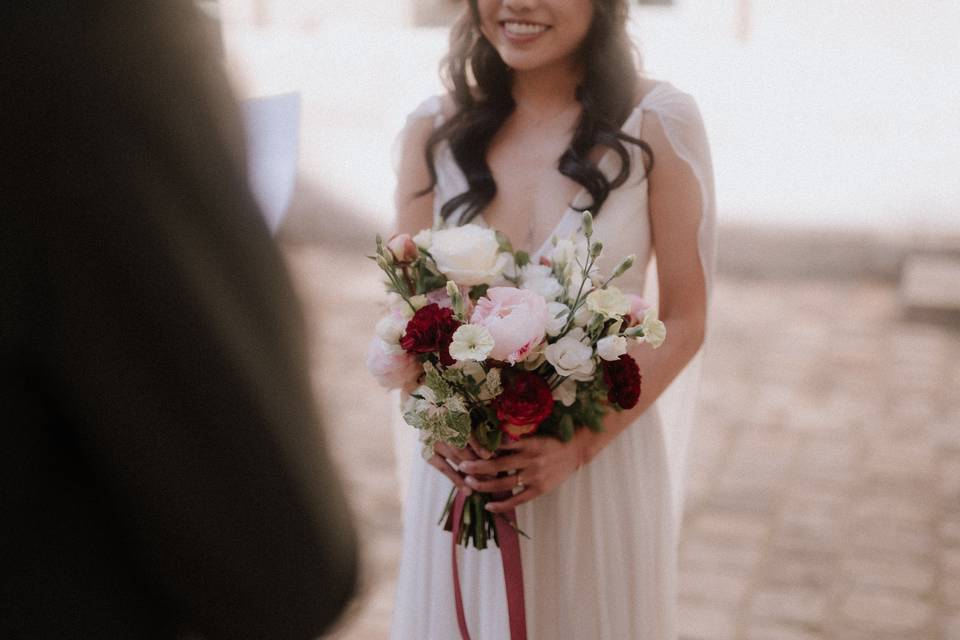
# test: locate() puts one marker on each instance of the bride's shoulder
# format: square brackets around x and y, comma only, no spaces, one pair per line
[435,109]
[663,97]
[419,126]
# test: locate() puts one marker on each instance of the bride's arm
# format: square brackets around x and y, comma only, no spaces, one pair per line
[414,212]
[675,207]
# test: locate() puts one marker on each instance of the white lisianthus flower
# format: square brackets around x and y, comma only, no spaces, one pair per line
[609,302]
[469,255]
[471,342]
[654,331]
[557,316]
[566,252]
[566,393]
[539,279]
[583,316]
[611,347]
[390,329]
[571,357]
[423,239]
[573,287]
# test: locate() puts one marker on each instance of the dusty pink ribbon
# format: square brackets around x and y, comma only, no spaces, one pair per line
[512,569]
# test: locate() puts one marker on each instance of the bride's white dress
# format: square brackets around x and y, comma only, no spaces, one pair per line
[600,563]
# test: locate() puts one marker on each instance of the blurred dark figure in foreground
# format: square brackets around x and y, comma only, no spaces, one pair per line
[161,470]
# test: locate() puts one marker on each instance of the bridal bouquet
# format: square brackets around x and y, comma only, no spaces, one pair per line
[503,348]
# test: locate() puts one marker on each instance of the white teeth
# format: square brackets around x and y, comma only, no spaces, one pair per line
[523,28]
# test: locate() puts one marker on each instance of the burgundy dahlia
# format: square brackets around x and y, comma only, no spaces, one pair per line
[526,401]
[623,381]
[430,330]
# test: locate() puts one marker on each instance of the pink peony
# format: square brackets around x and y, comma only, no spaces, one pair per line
[638,308]
[516,318]
[392,367]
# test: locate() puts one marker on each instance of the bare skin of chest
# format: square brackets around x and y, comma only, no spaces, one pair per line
[532,195]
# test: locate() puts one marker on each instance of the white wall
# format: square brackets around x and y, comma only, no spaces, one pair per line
[836,112]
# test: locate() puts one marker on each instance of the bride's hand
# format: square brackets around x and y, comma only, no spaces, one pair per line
[449,461]
[541,464]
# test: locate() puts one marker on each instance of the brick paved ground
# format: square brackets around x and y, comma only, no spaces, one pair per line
[825,490]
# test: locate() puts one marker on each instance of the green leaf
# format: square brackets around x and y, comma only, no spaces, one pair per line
[435,382]
[478,291]
[522,258]
[504,242]
[566,428]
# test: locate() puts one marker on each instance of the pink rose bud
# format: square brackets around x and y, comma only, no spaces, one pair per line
[403,248]
[638,308]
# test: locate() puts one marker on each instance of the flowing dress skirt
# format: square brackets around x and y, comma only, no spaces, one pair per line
[600,563]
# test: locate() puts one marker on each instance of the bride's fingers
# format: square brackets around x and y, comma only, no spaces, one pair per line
[452,453]
[478,448]
[526,495]
[492,485]
[492,467]
[444,467]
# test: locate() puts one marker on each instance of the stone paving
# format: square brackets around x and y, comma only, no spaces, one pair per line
[824,495]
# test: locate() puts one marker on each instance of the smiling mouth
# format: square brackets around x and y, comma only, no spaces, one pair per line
[523,29]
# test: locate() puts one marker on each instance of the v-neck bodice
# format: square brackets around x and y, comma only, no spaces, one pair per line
[622,224]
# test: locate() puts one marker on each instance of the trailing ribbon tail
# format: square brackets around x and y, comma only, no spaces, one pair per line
[512,569]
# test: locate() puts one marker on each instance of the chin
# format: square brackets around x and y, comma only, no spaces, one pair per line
[527,61]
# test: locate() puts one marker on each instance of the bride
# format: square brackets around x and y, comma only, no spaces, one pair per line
[547,116]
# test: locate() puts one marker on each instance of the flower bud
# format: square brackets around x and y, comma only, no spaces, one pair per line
[587,224]
[595,249]
[383,262]
[625,264]
[456,299]
[634,332]
[403,249]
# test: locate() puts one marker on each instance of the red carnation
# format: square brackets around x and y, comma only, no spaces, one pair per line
[526,401]
[623,381]
[430,330]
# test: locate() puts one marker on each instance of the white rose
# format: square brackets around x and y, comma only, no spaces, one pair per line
[611,347]
[609,302]
[566,393]
[471,342]
[423,239]
[539,279]
[469,255]
[654,331]
[557,316]
[571,357]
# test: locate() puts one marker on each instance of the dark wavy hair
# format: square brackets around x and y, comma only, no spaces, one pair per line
[480,84]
